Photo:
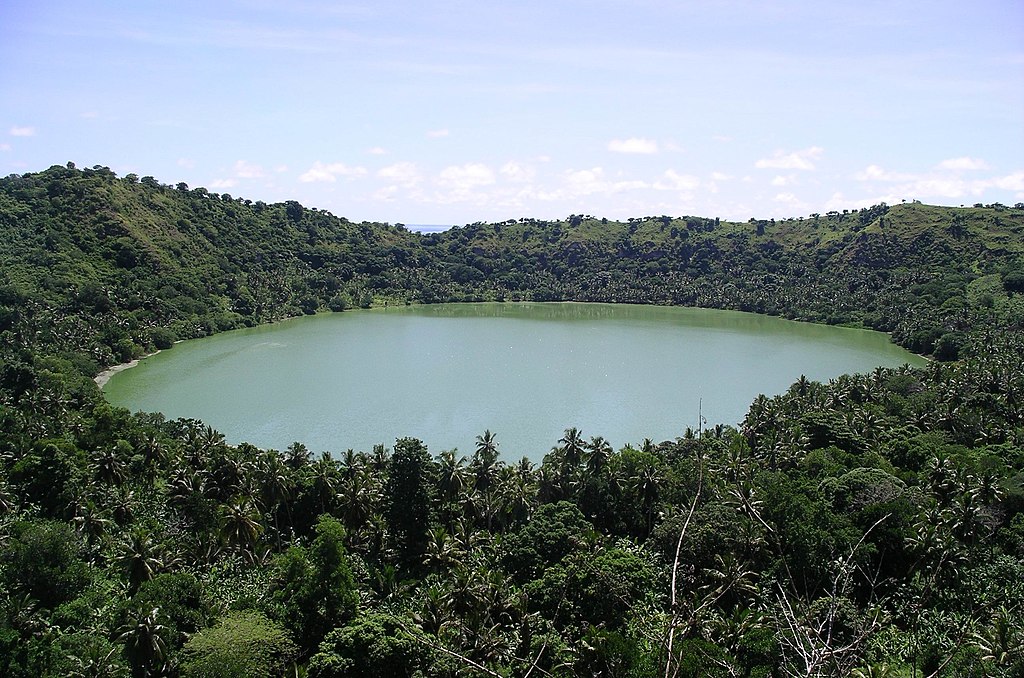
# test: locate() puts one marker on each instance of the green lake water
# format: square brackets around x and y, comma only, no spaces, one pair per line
[445,373]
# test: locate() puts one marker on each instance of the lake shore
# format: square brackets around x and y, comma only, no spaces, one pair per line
[103,377]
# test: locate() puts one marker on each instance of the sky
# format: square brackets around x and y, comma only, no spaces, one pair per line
[453,112]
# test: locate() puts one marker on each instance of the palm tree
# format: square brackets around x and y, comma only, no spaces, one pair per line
[351,463]
[573,448]
[1002,642]
[599,452]
[325,481]
[277,489]
[91,521]
[24,616]
[434,612]
[488,506]
[240,526]
[518,496]
[297,456]
[485,460]
[142,636]
[486,447]
[211,439]
[549,485]
[451,475]
[646,484]
[98,662]
[227,475]
[185,483]
[802,386]
[442,551]
[152,451]
[358,496]
[110,468]
[379,458]
[139,557]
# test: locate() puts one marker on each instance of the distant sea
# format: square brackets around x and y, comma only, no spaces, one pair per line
[428,228]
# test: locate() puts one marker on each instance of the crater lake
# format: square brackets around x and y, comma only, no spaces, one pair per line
[526,371]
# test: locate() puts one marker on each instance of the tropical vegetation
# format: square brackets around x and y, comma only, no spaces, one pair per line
[868,526]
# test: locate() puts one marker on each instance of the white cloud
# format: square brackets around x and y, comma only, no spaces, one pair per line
[316,174]
[940,183]
[386,194]
[377,150]
[799,160]
[964,163]
[874,173]
[187,163]
[790,201]
[5,147]
[517,172]
[1011,182]
[437,133]
[716,177]
[673,181]
[404,173]
[935,184]
[23,131]
[466,177]
[245,170]
[463,188]
[941,187]
[838,201]
[780,180]
[630,185]
[586,181]
[223,183]
[877,173]
[591,181]
[633,145]
[329,172]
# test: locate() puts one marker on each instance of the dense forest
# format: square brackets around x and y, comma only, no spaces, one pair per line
[868,526]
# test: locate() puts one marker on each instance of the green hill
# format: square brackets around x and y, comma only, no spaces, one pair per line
[868,526]
[86,247]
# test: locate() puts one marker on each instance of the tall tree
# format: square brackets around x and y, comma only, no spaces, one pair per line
[408,498]
[313,590]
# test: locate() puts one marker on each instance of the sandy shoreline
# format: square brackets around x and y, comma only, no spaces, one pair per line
[103,377]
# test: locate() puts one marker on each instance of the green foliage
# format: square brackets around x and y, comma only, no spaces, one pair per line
[408,500]
[313,590]
[44,560]
[372,645]
[241,645]
[874,520]
[608,653]
[51,475]
[554,532]
[182,601]
[598,589]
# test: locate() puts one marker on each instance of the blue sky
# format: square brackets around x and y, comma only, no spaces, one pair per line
[450,112]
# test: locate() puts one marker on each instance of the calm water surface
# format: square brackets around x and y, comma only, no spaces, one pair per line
[445,373]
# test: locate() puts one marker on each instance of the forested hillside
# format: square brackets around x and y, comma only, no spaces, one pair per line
[873,525]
